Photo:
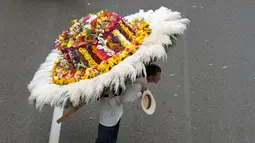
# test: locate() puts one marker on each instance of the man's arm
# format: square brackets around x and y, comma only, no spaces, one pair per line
[131,93]
[139,95]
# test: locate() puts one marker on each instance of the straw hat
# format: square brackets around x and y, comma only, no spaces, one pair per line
[148,102]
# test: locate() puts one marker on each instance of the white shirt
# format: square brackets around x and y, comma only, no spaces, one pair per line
[111,108]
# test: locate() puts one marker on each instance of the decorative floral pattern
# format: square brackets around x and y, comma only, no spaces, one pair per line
[94,44]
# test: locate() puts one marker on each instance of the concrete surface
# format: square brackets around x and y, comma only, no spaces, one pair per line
[206,95]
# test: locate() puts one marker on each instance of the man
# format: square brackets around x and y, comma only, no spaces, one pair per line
[112,109]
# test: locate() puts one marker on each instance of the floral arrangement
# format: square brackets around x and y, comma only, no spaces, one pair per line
[94,44]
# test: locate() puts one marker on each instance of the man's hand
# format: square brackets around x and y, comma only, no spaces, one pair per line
[144,88]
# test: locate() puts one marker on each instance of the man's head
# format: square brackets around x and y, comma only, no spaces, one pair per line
[153,73]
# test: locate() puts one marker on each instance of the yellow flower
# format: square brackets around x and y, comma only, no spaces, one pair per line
[125,53]
[143,35]
[100,12]
[117,59]
[74,21]
[104,18]
[83,77]
[108,68]
[78,72]
[70,43]
[120,39]
[86,76]
[134,49]
[88,57]
[110,64]
[88,69]
[134,20]
[84,33]
[60,38]
[147,29]
[61,81]
[130,46]
[92,75]
[63,44]
[71,80]
[122,56]
[56,81]
[110,60]
[71,28]
[101,67]
[99,21]
[138,39]
[129,33]
[77,38]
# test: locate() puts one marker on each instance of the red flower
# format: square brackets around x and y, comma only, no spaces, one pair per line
[66,57]
[72,72]
[75,45]
[82,44]
[94,42]
[93,30]
[83,71]
[58,45]
[64,75]
[105,14]
[93,22]
[81,38]
[63,35]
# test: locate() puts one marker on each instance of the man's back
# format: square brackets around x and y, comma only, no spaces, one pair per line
[110,111]
[111,108]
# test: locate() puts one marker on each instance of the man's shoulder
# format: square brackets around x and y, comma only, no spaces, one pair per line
[141,80]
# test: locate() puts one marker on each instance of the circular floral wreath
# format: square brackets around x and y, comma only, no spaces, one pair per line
[96,43]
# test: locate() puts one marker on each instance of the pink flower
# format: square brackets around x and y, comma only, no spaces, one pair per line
[82,44]
[57,41]
[85,19]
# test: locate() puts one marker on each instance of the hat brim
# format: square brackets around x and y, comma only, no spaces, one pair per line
[148,103]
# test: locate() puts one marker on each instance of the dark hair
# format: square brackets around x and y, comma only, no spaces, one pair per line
[152,69]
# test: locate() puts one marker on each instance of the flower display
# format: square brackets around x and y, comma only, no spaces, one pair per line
[96,43]
[99,53]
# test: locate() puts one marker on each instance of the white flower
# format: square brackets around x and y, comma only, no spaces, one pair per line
[91,18]
[55,77]
[107,50]
[87,26]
